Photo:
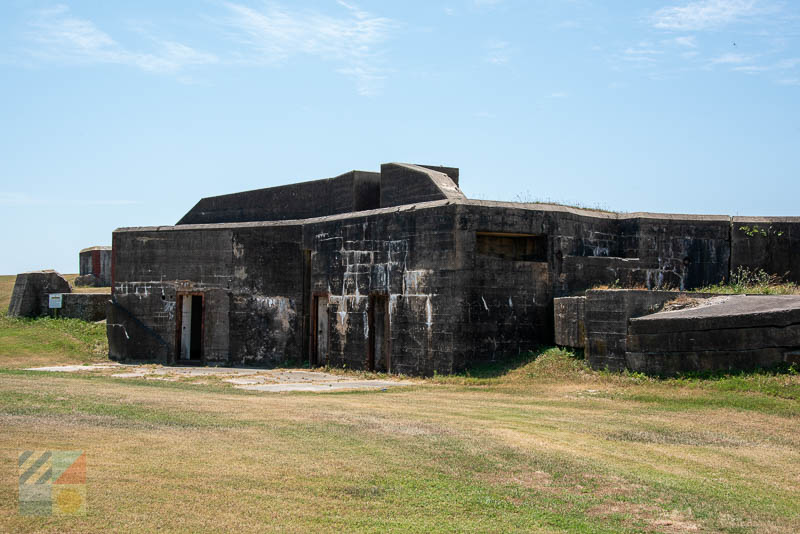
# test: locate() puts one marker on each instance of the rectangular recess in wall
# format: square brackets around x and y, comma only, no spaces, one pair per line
[514,247]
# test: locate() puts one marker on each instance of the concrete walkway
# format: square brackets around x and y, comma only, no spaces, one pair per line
[270,380]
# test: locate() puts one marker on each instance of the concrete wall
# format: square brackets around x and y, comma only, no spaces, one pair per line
[768,243]
[450,305]
[450,302]
[570,322]
[83,306]
[28,291]
[408,256]
[607,315]
[403,184]
[250,278]
[352,191]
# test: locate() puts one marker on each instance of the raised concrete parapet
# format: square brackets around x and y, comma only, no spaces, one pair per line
[670,332]
[31,295]
[29,288]
[85,306]
[721,333]
[608,312]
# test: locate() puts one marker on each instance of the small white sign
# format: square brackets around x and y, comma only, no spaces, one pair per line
[55,300]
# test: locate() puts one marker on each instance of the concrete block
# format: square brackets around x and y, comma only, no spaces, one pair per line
[569,317]
[29,289]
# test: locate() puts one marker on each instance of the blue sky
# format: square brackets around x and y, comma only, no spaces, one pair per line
[126,113]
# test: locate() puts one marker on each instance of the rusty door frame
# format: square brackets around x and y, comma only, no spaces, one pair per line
[179,296]
[313,346]
[387,337]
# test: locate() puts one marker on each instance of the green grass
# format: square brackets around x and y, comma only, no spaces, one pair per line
[534,452]
[45,341]
[6,288]
[757,282]
[26,342]
[540,443]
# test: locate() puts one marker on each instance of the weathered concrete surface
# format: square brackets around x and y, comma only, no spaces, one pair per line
[768,243]
[87,280]
[570,326]
[276,381]
[350,192]
[403,184]
[75,368]
[396,272]
[84,306]
[608,313]
[29,289]
[732,332]
[95,267]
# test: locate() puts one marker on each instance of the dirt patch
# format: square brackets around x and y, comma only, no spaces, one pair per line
[683,302]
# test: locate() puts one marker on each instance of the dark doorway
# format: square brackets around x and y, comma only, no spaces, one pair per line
[190,328]
[320,329]
[379,357]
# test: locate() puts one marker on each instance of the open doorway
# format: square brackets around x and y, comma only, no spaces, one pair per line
[320,330]
[190,328]
[379,357]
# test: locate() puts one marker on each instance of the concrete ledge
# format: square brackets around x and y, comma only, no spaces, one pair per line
[724,312]
[723,333]
[570,328]
[672,363]
[85,306]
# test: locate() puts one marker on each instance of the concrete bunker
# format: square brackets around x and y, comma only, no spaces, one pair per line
[394,271]
[94,265]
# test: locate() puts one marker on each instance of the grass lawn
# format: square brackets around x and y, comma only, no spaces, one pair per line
[542,444]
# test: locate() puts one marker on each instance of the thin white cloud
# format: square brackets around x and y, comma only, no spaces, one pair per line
[12,198]
[643,53]
[275,34]
[689,41]
[749,67]
[59,36]
[497,52]
[704,14]
[558,94]
[731,59]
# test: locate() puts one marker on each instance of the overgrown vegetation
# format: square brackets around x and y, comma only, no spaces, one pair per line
[755,282]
